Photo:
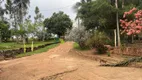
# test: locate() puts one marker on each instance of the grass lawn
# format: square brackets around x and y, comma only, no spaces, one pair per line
[14,45]
[37,51]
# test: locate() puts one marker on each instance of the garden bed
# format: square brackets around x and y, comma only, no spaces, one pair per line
[113,59]
[129,51]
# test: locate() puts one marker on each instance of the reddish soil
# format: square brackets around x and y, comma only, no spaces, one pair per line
[63,63]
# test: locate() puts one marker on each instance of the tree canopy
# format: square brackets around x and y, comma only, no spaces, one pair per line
[58,23]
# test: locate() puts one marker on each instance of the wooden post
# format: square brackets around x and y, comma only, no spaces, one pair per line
[32,47]
[24,47]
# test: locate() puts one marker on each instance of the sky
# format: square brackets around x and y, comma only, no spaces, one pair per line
[48,7]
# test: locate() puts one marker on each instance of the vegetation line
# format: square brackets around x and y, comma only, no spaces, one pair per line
[37,51]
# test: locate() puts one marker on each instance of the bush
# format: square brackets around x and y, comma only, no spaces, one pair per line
[98,40]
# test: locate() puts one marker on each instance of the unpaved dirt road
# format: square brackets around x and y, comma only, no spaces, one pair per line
[58,60]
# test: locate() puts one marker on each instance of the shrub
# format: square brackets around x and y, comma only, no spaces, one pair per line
[108,54]
[101,49]
[97,41]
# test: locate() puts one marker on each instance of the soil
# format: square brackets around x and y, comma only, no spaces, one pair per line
[64,63]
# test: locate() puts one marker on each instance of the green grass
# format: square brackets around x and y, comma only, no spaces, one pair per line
[14,45]
[76,46]
[37,51]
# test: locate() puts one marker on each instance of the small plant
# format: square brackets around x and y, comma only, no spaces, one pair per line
[108,54]
[122,47]
[77,46]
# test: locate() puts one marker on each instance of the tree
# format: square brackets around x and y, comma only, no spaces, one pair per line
[104,15]
[40,29]
[132,26]
[17,10]
[21,6]
[58,23]
[2,11]
[78,6]
[9,7]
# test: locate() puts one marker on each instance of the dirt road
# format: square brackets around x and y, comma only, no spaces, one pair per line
[59,64]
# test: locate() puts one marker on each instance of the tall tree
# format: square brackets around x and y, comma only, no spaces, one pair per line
[21,6]
[40,29]
[79,5]
[1,10]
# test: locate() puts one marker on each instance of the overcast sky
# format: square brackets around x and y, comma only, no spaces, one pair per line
[48,7]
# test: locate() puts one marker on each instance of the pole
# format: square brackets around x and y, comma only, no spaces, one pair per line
[115,37]
[117,22]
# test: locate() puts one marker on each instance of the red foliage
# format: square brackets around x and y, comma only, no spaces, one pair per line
[133,26]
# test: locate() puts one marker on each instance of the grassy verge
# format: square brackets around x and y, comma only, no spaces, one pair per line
[62,41]
[37,51]
[14,45]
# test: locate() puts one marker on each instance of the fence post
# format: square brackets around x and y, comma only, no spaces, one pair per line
[24,47]
[32,47]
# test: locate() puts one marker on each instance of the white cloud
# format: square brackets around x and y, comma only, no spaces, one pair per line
[48,7]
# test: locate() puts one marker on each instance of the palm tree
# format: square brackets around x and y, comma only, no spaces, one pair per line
[77,6]
[22,6]
[1,10]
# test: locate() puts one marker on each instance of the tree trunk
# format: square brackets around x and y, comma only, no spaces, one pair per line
[117,22]
[78,23]
[115,37]
[0,37]
[43,39]
[132,39]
